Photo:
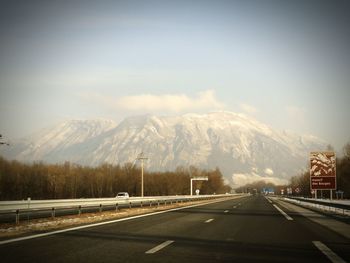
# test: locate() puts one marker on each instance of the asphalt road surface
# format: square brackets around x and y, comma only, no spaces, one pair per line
[249,229]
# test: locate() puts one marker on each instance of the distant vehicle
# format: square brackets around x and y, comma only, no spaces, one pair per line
[122,195]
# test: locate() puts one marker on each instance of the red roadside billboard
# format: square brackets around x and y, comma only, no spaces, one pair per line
[322,171]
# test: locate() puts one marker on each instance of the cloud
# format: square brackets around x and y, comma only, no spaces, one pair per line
[240,179]
[205,100]
[268,171]
[248,108]
[170,102]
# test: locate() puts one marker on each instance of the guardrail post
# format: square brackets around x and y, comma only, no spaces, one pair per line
[141,203]
[79,210]
[129,204]
[53,212]
[116,207]
[17,216]
[150,204]
[100,208]
[164,202]
[157,203]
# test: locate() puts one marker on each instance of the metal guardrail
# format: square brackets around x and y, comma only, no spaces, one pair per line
[14,210]
[323,206]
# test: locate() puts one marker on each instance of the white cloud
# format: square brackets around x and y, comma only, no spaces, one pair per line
[248,108]
[170,102]
[268,171]
[205,100]
[241,179]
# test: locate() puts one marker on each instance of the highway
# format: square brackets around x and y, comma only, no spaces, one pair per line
[248,229]
[34,209]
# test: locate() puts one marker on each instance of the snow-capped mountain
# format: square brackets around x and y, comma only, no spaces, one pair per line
[243,148]
[55,143]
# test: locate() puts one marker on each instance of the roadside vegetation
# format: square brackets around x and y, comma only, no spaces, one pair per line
[59,181]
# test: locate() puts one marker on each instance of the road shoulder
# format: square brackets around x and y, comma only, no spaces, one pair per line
[335,225]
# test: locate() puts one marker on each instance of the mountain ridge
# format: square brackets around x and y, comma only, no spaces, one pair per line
[240,146]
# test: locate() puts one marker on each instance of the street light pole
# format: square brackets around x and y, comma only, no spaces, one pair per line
[141,157]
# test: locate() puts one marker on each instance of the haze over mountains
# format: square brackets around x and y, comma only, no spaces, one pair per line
[244,149]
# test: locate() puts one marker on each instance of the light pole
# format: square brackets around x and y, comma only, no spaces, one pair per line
[141,157]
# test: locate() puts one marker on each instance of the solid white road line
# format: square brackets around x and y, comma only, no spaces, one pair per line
[159,247]
[103,223]
[226,211]
[269,200]
[328,252]
[283,213]
[209,220]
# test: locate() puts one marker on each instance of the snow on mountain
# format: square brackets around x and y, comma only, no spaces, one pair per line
[55,144]
[243,148]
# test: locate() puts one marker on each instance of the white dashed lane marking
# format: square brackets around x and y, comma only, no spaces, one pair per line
[328,252]
[159,247]
[283,213]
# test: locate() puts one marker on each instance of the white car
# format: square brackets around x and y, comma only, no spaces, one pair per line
[122,195]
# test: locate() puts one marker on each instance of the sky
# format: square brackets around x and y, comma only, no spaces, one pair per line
[285,63]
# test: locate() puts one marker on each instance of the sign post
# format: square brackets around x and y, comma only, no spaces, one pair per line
[322,172]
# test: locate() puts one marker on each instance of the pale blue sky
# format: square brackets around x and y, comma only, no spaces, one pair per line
[286,63]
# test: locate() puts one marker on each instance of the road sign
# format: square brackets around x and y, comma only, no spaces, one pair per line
[322,171]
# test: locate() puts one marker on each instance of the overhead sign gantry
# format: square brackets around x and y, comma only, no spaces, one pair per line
[197,178]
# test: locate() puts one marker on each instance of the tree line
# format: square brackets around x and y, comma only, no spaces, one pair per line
[60,181]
